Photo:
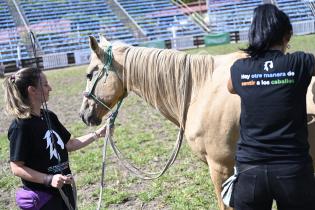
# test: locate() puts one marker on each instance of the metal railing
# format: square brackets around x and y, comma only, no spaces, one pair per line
[311,5]
[139,33]
[194,15]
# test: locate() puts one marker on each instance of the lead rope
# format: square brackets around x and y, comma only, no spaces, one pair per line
[108,130]
[154,175]
[108,133]
[130,167]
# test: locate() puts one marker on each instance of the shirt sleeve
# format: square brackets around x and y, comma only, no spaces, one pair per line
[306,61]
[234,77]
[18,136]
[309,63]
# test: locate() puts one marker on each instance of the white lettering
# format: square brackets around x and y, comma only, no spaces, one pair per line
[264,82]
[245,76]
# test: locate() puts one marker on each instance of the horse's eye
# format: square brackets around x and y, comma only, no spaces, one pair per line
[89,76]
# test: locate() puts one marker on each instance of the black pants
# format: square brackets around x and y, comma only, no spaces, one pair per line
[55,203]
[292,186]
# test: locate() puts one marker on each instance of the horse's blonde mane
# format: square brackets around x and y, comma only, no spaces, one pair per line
[164,78]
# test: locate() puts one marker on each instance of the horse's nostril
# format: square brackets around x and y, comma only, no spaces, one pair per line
[83,119]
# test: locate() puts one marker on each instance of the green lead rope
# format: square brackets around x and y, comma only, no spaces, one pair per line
[110,125]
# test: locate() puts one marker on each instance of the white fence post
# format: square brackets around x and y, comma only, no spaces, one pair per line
[184,42]
[244,35]
[303,27]
[82,56]
[55,60]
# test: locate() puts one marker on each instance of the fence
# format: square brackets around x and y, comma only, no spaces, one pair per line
[55,60]
[82,56]
[303,27]
[299,28]
[181,43]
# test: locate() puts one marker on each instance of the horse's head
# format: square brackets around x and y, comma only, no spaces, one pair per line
[104,86]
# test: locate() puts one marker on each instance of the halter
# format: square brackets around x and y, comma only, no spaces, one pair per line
[105,70]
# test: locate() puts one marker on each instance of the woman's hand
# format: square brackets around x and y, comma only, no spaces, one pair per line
[101,131]
[59,180]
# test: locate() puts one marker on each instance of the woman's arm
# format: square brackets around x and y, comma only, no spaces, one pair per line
[19,169]
[79,142]
[230,86]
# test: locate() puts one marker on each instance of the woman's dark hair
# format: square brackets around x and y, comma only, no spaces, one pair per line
[269,26]
[15,91]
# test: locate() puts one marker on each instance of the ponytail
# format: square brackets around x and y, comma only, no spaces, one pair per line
[15,92]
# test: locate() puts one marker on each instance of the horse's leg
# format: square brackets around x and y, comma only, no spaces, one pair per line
[219,173]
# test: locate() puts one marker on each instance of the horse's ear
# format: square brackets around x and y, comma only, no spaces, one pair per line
[93,44]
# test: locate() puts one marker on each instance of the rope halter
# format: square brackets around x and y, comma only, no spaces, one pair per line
[108,59]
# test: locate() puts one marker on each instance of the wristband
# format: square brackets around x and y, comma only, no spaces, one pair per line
[48,180]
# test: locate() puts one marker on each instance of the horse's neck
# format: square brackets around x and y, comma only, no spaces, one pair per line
[166,79]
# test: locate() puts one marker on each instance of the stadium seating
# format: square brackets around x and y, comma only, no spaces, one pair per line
[231,16]
[160,19]
[10,42]
[296,10]
[64,25]
[235,15]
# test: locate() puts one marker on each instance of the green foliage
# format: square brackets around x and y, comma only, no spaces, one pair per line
[6,179]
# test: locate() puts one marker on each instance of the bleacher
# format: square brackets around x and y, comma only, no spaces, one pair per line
[231,16]
[64,25]
[160,19]
[236,15]
[10,42]
[296,10]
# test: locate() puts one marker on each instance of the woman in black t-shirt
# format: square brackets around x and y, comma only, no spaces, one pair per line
[272,155]
[39,143]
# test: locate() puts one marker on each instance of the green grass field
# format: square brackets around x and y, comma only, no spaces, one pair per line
[142,134]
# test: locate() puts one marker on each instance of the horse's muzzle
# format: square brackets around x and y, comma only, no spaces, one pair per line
[90,120]
[86,94]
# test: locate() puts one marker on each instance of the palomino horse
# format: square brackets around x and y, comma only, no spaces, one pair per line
[165,79]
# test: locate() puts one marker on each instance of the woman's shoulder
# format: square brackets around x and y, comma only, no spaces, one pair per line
[18,126]
[300,55]
[241,62]
[20,122]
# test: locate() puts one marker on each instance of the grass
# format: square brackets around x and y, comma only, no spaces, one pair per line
[143,136]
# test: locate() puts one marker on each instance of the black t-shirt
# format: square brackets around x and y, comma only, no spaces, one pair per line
[273,124]
[30,142]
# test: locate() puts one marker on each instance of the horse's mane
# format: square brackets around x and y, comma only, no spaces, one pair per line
[164,78]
